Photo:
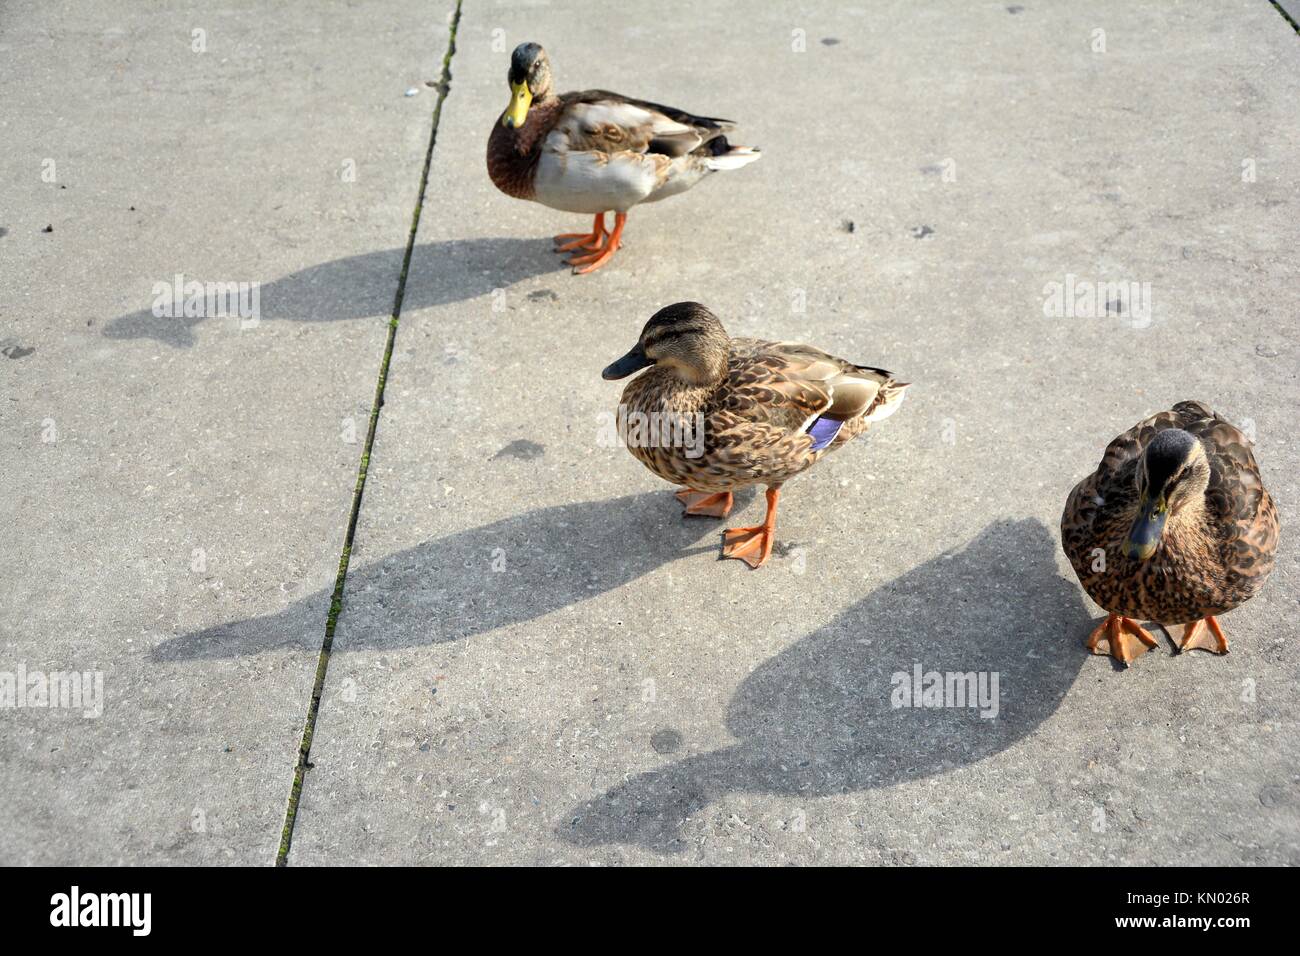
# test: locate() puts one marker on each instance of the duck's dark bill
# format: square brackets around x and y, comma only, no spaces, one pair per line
[633,361]
[1145,534]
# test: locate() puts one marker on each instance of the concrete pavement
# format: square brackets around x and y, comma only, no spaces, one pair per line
[538,659]
[169,473]
[536,667]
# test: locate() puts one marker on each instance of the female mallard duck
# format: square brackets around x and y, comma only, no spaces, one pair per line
[597,151]
[716,413]
[1174,526]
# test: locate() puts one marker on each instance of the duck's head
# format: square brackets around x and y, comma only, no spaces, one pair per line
[530,79]
[1172,474]
[686,339]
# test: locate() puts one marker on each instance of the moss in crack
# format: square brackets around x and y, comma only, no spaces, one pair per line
[363,469]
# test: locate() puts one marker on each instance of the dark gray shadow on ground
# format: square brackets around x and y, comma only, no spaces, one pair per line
[360,286]
[817,719]
[448,589]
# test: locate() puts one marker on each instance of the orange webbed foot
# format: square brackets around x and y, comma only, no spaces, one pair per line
[593,240]
[579,240]
[703,503]
[1203,635]
[595,260]
[1122,638]
[751,545]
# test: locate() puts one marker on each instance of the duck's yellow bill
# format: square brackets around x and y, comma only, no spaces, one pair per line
[520,100]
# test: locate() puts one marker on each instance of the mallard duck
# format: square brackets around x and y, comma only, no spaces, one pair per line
[715,413]
[595,152]
[1175,527]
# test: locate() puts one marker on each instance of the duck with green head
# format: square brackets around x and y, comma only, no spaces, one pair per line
[1175,526]
[714,413]
[596,152]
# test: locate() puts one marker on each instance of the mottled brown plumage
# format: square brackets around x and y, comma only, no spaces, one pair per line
[1219,526]
[754,417]
[746,406]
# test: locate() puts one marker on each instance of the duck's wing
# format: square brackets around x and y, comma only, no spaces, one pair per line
[1246,518]
[1235,489]
[605,122]
[794,387]
[1122,454]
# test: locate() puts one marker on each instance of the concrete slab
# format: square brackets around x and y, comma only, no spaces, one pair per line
[165,475]
[540,661]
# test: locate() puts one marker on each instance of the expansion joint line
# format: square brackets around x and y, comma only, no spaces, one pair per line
[340,580]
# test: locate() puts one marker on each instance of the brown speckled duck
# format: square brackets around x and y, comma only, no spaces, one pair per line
[715,413]
[1175,527]
[595,152]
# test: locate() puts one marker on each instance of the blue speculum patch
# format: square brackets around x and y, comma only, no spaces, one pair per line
[823,432]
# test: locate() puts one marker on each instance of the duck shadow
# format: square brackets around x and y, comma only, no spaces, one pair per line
[475,581]
[820,718]
[363,286]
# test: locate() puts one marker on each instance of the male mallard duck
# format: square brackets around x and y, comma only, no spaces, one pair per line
[1174,526]
[597,151]
[716,413]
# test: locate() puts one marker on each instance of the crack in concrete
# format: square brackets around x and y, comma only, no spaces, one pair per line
[1286,15]
[336,600]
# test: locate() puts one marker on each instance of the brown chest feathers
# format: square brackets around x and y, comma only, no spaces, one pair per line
[667,429]
[512,154]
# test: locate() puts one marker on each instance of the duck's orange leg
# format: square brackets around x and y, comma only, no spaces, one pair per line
[753,545]
[594,260]
[1203,634]
[1122,638]
[569,241]
[703,503]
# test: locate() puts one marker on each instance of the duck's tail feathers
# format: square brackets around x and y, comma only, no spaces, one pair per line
[889,398]
[725,156]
